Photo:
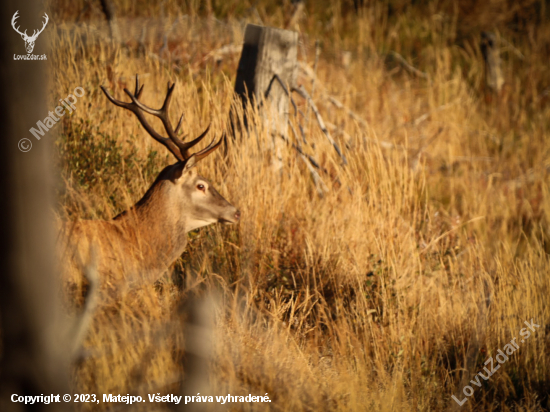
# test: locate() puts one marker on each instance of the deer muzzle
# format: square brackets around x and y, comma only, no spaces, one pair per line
[232,216]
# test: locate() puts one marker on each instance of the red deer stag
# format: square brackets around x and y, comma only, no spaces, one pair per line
[140,244]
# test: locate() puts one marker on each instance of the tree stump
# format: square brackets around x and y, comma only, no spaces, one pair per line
[268,52]
[108,8]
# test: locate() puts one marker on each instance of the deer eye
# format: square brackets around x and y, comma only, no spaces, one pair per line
[200,186]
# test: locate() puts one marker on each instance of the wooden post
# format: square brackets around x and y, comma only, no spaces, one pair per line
[197,314]
[491,53]
[108,8]
[268,52]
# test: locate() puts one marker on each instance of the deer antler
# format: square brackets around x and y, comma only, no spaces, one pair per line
[178,147]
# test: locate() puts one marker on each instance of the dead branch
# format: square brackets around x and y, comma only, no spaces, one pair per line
[296,15]
[511,47]
[309,72]
[314,78]
[420,119]
[407,66]
[351,113]
[311,164]
[302,92]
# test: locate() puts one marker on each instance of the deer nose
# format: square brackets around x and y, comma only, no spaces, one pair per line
[237,215]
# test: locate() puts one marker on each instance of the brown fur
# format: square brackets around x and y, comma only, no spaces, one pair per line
[140,244]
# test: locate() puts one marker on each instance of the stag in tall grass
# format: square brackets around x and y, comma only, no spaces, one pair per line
[140,244]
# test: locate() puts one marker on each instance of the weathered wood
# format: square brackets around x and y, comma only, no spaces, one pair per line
[109,10]
[268,52]
[491,53]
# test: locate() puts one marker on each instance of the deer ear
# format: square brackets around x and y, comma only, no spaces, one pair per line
[182,167]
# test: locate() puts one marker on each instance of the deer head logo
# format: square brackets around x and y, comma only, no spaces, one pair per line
[29,40]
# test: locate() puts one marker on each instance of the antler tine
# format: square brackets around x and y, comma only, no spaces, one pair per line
[210,148]
[163,111]
[162,114]
[188,145]
[155,112]
[170,89]
[176,131]
[138,91]
[168,143]
[168,98]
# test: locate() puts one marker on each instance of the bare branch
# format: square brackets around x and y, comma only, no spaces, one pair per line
[311,164]
[302,92]
[407,66]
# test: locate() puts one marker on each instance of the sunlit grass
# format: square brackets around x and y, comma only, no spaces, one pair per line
[433,240]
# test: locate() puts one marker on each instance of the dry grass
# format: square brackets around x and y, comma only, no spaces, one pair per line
[423,258]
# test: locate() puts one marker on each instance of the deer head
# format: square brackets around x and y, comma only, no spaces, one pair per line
[29,40]
[189,198]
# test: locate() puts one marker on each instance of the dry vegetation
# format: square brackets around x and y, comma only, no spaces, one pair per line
[426,254]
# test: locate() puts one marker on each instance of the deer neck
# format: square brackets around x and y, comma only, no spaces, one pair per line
[157,227]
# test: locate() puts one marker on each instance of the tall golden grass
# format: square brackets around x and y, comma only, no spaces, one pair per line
[424,257]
